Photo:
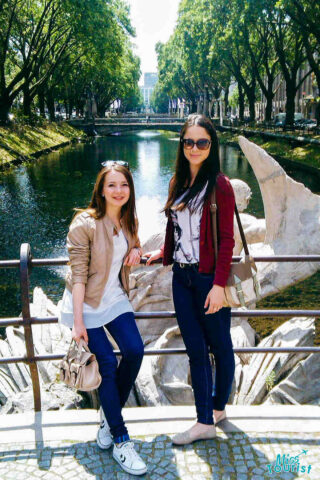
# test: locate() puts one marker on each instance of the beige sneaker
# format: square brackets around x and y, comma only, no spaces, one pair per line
[184,438]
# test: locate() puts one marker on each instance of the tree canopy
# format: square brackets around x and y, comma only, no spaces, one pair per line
[58,50]
[249,42]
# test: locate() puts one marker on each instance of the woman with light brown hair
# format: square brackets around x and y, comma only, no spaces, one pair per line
[103,244]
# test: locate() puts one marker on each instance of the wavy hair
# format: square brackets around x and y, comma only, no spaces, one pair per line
[97,207]
[207,172]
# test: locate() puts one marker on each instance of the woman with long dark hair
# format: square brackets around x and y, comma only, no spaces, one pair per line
[198,283]
[103,243]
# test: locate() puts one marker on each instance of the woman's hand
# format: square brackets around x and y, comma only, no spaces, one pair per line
[133,257]
[154,255]
[79,331]
[214,300]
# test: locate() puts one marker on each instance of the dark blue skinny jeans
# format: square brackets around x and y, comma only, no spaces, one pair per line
[203,334]
[117,380]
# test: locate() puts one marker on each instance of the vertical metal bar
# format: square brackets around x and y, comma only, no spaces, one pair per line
[25,265]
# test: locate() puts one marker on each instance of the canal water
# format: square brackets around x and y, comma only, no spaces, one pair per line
[37,202]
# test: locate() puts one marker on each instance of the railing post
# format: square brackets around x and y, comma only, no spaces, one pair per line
[25,266]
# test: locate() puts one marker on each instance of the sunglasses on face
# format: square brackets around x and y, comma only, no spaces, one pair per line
[202,143]
[111,163]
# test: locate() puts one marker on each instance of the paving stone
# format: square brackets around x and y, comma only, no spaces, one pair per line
[236,457]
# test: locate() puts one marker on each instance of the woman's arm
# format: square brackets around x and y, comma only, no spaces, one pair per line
[135,254]
[133,257]
[154,255]
[78,330]
[78,243]
[225,207]
[225,202]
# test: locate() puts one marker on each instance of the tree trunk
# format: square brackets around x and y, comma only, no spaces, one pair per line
[50,105]
[26,100]
[252,101]
[269,98]
[206,102]
[290,104]
[41,103]
[226,99]
[5,105]
[241,103]
[317,113]
[193,107]
[199,107]
[210,108]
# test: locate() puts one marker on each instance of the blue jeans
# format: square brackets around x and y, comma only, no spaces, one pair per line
[117,380]
[203,334]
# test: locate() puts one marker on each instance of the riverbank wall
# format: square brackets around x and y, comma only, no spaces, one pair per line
[19,143]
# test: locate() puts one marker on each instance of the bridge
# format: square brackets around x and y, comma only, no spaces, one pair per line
[106,126]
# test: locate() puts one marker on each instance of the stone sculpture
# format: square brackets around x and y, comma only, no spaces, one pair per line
[291,227]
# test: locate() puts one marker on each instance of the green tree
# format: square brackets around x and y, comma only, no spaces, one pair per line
[289,46]
[57,49]
[306,16]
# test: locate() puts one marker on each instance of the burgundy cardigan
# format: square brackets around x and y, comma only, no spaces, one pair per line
[225,212]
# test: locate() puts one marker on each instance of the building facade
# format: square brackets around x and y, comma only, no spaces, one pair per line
[150,79]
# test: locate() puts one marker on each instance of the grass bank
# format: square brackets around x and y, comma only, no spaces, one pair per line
[22,142]
[306,155]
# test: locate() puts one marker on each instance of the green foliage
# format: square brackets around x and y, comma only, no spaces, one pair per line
[159,99]
[59,50]
[270,380]
[247,41]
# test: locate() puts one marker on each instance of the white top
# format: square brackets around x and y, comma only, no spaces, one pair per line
[114,301]
[186,227]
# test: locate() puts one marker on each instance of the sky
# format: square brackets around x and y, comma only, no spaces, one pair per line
[154,21]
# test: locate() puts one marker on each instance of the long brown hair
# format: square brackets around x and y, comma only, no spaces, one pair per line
[97,207]
[207,172]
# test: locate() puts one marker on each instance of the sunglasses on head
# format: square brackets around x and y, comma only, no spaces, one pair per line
[202,143]
[111,163]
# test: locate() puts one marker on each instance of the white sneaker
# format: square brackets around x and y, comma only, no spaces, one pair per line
[129,459]
[104,437]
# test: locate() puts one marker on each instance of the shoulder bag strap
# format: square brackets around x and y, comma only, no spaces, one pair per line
[213,209]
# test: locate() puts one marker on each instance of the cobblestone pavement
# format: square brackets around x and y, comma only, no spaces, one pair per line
[231,456]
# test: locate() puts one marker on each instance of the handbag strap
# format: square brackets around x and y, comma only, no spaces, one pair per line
[213,209]
[75,349]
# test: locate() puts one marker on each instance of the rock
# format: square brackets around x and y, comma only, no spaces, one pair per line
[53,397]
[172,372]
[147,390]
[152,293]
[15,379]
[293,333]
[302,385]
[242,335]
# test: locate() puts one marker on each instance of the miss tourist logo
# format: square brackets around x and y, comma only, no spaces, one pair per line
[287,463]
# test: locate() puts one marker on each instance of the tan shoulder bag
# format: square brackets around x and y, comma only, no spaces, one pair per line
[242,287]
[79,368]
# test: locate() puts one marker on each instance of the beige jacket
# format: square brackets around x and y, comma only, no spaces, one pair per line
[90,247]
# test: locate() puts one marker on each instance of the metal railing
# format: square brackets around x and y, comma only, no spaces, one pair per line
[26,262]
